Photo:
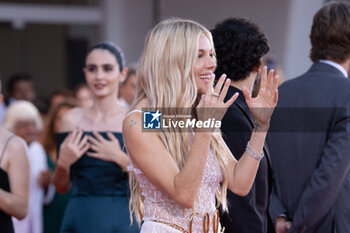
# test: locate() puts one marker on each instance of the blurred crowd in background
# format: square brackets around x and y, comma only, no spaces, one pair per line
[37,121]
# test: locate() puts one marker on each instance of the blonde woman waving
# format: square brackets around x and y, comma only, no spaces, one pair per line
[176,174]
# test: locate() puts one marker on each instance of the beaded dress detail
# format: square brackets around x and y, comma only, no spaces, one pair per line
[160,207]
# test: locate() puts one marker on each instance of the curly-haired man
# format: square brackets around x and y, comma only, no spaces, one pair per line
[240,46]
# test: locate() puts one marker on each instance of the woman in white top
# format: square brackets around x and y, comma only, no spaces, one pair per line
[23,119]
[14,179]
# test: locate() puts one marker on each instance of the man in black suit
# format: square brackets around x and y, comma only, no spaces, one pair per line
[309,137]
[239,46]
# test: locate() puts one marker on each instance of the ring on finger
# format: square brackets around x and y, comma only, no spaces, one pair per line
[215,94]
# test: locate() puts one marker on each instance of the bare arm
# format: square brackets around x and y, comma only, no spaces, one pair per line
[150,155]
[15,203]
[61,179]
[123,161]
[242,172]
[70,151]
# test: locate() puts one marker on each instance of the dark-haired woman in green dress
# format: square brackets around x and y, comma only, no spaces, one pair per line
[91,161]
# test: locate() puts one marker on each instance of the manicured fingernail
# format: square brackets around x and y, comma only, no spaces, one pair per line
[228,80]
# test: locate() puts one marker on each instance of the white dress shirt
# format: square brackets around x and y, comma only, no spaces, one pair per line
[337,66]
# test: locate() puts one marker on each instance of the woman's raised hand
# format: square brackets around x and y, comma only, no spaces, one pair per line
[72,148]
[105,149]
[108,149]
[211,104]
[263,105]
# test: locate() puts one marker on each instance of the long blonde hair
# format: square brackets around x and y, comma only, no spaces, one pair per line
[166,79]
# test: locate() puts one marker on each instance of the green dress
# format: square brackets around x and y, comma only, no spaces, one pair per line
[99,201]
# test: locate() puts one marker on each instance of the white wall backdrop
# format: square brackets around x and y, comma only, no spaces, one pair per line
[126,22]
[297,43]
[286,23]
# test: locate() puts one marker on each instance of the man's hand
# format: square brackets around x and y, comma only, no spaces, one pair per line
[282,225]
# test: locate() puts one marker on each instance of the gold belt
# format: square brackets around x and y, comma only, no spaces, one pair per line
[206,223]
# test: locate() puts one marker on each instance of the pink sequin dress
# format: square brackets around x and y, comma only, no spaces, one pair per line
[160,207]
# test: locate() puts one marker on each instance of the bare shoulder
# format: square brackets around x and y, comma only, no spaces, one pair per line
[135,138]
[132,124]
[71,119]
[17,148]
[143,147]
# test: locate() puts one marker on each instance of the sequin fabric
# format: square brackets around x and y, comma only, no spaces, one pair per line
[159,206]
